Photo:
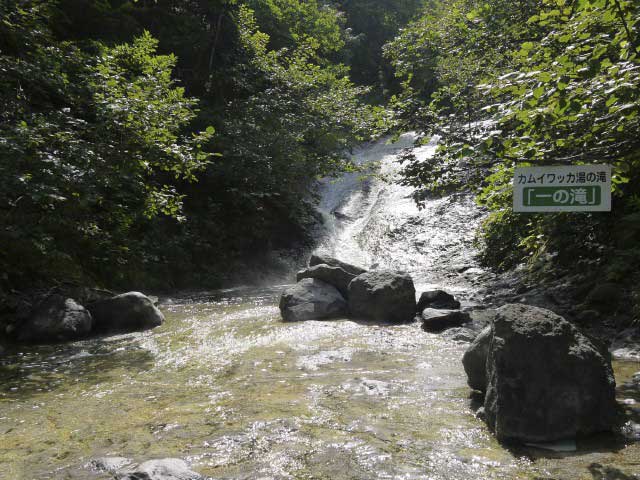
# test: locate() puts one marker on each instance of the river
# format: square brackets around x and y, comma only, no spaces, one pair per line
[227,386]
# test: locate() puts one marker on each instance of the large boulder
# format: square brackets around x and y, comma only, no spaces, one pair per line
[162,469]
[474,360]
[384,296]
[546,380]
[126,312]
[434,320]
[55,319]
[335,276]
[319,258]
[312,299]
[437,299]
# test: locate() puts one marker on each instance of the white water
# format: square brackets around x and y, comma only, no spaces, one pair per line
[373,220]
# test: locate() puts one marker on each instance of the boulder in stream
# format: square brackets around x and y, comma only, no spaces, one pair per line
[126,312]
[312,299]
[437,299]
[474,360]
[335,276]
[384,296]
[163,469]
[434,320]
[546,380]
[319,258]
[55,319]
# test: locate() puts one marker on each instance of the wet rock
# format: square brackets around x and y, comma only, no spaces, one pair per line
[460,334]
[434,320]
[312,299]
[587,317]
[606,472]
[127,312]
[109,464]
[474,360]
[384,296]
[335,276]
[55,319]
[319,258]
[164,469]
[546,381]
[437,299]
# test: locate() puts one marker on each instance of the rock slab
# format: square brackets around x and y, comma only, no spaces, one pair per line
[126,312]
[474,360]
[335,276]
[319,258]
[312,299]
[437,299]
[383,296]
[546,381]
[434,320]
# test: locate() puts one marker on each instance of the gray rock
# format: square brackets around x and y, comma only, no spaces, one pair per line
[437,299]
[318,258]
[605,297]
[474,360]
[434,320]
[335,276]
[312,299]
[109,464]
[460,334]
[127,312]
[55,319]
[384,296]
[546,380]
[164,469]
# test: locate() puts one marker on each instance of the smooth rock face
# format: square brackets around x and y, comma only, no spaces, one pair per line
[434,320]
[56,319]
[383,296]
[165,469]
[474,360]
[546,381]
[335,276]
[319,258]
[127,312]
[437,299]
[312,299]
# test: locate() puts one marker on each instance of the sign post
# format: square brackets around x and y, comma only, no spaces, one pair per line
[577,188]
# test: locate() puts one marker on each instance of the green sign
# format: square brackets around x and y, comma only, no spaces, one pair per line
[562,196]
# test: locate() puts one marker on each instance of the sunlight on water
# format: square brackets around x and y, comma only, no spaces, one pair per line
[239,394]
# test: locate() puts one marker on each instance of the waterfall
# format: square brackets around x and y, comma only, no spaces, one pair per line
[373,221]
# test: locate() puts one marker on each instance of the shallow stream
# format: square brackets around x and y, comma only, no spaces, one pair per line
[237,393]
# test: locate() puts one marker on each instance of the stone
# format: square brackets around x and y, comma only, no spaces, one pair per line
[312,299]
[460,334]
[384,296]
[437,299]
[474,360]
[319,258]
[127,312]
[335,276]
[162,469]
[434,320]
[605,297]
[546,380]
[55,319]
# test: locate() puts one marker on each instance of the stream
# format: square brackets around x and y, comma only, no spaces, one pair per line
[227,386]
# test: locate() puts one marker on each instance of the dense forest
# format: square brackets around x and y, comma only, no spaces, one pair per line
[169,143]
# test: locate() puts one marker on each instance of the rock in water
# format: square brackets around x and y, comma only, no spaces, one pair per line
[312,299]
[127,312]
[474,360]
[165,469]
[437,299]
[383,296]
[434,320]
[335,276]
[546,381]
[319,258]
[56,319]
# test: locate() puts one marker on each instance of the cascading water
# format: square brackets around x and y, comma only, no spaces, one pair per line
[237,393]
